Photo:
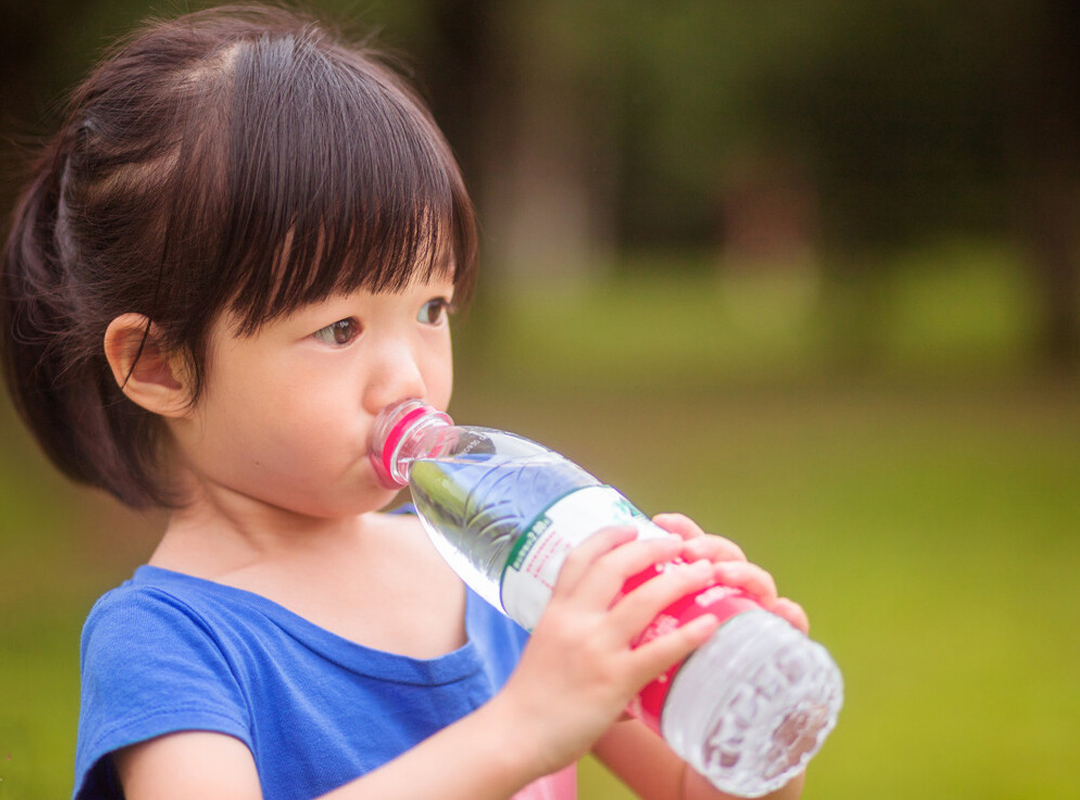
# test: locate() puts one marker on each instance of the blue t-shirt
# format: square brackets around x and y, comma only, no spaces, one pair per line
[167,652]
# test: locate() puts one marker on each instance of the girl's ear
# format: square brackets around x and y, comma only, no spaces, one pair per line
[144,371]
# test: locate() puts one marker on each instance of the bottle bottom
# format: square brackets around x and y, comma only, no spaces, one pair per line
[753,705]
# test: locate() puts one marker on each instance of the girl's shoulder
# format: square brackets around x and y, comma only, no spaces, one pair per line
[403,535]
[160,603]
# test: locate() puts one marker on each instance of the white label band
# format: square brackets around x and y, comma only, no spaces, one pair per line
[535,561]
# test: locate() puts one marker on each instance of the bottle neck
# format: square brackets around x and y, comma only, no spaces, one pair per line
[416,443]
[402,436]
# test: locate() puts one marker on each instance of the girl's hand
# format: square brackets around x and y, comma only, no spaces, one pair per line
[579,670]
[732,568]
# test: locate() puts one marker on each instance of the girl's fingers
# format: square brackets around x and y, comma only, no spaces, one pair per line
[597,568]
[698,543]
[679,524]
[792,612]
[656,656]
[714,548]
[582,557]
[749,577]
[633,613]
[595,572]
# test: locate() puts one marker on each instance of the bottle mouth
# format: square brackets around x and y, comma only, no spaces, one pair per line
[394,427]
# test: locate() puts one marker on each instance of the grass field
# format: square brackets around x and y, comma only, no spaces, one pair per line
[924,507]
[931,536]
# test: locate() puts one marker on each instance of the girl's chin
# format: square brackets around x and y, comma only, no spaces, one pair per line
[363,496]
[393,499]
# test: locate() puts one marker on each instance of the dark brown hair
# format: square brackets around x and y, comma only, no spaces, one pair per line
[239,159]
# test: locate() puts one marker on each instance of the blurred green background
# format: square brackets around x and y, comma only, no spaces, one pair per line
[807,272]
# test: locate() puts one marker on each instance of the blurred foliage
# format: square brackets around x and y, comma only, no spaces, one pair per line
[959,310]
[898,101]
[925,514]
[898,121]
[589,131]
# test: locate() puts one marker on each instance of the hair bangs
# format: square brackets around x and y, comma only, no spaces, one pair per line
[339,181]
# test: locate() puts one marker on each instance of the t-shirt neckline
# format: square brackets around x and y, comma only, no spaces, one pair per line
[452,666]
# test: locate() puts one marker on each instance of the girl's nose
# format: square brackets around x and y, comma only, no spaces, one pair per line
[395,376]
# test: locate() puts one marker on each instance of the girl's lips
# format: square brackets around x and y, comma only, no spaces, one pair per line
[380,473]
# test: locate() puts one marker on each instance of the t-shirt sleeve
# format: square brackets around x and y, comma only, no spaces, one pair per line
[150,666]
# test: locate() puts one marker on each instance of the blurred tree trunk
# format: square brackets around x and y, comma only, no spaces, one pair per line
[515,104]
[43,48]
[25,39]
[541,182]
[466,78]
[1043,79]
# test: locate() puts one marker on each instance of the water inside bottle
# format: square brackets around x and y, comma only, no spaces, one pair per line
[477,505]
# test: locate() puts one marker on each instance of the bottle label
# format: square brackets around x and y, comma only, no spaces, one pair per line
[723,602]
[538,555]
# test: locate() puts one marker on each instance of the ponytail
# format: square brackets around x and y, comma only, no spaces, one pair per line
[53,362]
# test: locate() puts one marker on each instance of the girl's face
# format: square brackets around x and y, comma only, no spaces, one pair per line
[286,415]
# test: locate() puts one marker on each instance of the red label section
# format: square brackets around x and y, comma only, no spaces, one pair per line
[723,602]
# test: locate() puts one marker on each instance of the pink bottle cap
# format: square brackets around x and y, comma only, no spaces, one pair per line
[394,426]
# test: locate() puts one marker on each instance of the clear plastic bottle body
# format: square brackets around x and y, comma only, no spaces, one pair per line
[476,506]
[747,710]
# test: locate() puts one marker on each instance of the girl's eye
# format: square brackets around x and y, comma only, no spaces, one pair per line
[434,311]
[339,333]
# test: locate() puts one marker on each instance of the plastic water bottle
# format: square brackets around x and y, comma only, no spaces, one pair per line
[748,709]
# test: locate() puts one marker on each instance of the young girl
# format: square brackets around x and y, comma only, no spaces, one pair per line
[241,246]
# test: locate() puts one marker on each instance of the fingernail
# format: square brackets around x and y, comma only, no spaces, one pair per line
[707,621]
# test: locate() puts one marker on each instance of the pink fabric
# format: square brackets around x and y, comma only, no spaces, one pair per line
[560,785]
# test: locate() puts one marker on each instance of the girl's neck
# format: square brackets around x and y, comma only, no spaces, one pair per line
[373,578]
[219,533]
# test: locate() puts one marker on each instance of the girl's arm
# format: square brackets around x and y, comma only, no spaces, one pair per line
[474,759]
[470,760]
[576,675]
[648,766]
